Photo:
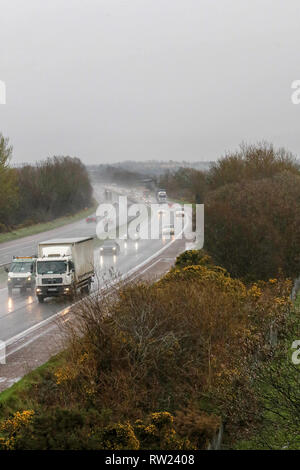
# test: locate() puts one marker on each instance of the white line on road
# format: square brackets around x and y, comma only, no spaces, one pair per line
[39,325]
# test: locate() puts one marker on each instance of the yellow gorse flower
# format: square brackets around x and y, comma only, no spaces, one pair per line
[11,426]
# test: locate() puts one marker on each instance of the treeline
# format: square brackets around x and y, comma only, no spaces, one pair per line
[108,173]
[31,194]
[252,210]
[186,183]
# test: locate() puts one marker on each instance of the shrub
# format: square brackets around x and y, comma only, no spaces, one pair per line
[3,228]
[251,162]
[192,337]
[198,427]
[253,230]
[119,437]
[193,258]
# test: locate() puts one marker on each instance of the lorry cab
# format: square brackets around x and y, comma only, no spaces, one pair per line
[21,273]
[55,276]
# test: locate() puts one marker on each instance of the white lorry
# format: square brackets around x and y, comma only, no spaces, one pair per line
[64,266]
[161,196]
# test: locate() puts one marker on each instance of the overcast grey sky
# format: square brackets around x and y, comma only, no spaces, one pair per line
[110,80]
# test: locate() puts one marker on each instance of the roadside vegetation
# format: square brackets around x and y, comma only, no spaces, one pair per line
[153,366]
[45,226]
[162,365]
[34,194]
[252,210]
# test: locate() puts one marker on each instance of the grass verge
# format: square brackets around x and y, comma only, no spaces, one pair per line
[17,397]
[278,388]
[3,277]
[45,226]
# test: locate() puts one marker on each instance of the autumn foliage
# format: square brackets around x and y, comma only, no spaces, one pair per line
[183,346]
[49,189]
[253,229]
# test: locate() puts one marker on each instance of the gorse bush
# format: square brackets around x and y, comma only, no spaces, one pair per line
[147,360]
[193,258]
[61,429]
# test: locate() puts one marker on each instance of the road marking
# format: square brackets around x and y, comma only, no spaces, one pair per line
[34,338]
[66,310]
[159,260]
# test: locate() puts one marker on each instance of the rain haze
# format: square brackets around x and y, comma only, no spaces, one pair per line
[112,80]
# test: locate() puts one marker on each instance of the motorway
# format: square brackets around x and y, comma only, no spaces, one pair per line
[20,312]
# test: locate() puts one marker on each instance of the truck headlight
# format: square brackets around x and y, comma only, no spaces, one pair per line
[29,278]
[9,279]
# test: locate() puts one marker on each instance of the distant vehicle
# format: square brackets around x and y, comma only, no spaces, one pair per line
[161,196]
[110,247]
[91,219]
[107,195]
[21,273]
[64,266]
[168,230]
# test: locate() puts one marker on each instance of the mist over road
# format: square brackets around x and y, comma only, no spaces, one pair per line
[22,311]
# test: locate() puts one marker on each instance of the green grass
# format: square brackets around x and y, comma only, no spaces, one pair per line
[181,201]
[297,301]
[45,226]
[18,396]
[278,428]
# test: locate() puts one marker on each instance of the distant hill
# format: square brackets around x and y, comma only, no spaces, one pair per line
[155,167]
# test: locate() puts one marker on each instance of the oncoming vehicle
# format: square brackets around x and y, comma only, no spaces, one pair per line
[21,273]
[110,247]
[91,219]
[161,196]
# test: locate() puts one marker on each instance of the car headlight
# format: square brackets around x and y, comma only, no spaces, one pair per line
[29,278]
[39,290]
[114,248]
[101,249]
[9,279]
